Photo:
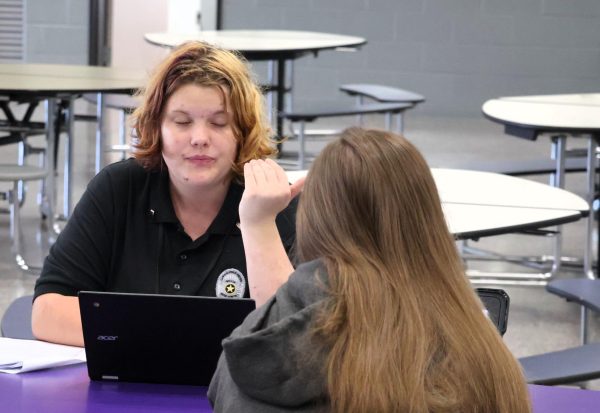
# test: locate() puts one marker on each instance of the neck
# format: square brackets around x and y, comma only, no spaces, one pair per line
[197,209]
[201,201]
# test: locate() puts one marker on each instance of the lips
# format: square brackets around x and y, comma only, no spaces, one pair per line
[200,159]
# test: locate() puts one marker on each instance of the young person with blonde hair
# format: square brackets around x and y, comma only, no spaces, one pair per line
[380,316]
[167,220]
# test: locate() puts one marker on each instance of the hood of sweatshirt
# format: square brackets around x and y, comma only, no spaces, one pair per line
[272,357]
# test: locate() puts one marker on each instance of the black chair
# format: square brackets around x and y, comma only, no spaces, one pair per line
[16,321]
[496,303]
[575,364]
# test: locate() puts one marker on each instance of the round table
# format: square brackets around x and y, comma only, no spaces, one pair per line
[559,117]
[279,46]
[56,85]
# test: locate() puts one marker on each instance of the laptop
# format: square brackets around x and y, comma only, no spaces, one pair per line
[156,338]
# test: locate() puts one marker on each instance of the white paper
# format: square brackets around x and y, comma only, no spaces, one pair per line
[20,356]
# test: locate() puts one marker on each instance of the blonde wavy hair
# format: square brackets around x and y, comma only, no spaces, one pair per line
[402,328]
[202,64]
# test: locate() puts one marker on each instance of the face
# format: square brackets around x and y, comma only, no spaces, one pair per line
[198,144]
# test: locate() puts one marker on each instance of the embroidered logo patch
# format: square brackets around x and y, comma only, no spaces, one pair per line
[231,284]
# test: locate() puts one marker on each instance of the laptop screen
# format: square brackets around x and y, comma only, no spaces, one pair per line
[156,338]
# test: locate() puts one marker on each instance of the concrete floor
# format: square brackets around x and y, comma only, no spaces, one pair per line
[538,322]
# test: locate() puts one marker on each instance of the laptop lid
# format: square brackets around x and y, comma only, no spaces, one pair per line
[156,338]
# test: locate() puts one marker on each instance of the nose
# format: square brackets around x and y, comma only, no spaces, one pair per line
[200,135]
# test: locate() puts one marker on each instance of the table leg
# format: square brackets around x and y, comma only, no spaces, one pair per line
[280,93]
[588,252]
[559,149]
[559,145]
[288,85]
[100,110]
[590,189]
[49,188]
[280,97]
[270,83]
[68,165]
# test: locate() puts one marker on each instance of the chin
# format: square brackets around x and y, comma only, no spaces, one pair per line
[205,180]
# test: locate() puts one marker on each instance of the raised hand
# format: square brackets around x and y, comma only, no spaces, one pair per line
[267,191]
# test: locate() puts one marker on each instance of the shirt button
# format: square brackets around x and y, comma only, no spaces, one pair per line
[177,286]
[183,257]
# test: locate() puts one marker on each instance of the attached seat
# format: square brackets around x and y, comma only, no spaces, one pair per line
[125,104]
[384,94]
[16,174]
[312,114]
[16,321]
[575,364]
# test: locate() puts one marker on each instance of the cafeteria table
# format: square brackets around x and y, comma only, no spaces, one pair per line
[54,85]
[481,204]
[69,390]
[278,46]
[558,117]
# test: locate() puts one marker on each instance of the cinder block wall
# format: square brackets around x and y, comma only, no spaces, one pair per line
[458,53]
[56,31]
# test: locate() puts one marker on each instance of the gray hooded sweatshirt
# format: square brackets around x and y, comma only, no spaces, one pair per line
[270,363]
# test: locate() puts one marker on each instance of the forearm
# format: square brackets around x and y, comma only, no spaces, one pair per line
[56,318]
[267,262]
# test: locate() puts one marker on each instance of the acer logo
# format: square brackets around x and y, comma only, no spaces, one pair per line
[107,338]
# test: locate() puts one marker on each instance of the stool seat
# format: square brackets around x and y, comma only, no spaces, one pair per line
[580,290]
[313,113]
[16,321]
[11,172]
[16,173]
[382,93]
[575,364]
[127,103]
[568,366]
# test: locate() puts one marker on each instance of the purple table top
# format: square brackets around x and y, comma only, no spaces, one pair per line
[69,390]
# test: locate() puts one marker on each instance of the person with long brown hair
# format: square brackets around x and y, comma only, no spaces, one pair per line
[166,221]
[380,316]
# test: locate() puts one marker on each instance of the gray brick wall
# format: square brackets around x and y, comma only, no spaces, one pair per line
[458,53]
[56,31]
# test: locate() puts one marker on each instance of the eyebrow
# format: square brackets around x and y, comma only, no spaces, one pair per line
[217,112]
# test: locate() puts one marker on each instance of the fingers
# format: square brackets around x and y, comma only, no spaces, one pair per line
[249,178]
[278,170]
[264,172]
[267,191]
[269,174]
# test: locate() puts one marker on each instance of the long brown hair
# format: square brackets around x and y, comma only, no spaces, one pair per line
[202,64]
[403,328]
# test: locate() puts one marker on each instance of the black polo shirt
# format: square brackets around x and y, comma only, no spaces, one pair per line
[124,236]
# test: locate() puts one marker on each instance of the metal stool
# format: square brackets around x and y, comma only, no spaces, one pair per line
[15,174]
